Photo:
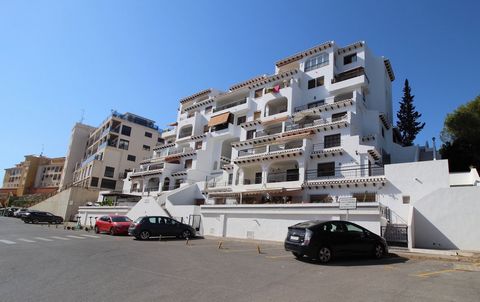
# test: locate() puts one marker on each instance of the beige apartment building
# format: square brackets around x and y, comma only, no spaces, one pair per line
[36,174]
[110,151]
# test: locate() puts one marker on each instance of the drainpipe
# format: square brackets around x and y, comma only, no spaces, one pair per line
[434,149]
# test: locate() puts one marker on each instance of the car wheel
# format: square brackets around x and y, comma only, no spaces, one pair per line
[112,231]
[97,230]
[297,255]
[324,254]
[378,251]
[186,234]
[144,235]
[35,221]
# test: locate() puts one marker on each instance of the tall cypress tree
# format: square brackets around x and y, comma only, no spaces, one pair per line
[407,117]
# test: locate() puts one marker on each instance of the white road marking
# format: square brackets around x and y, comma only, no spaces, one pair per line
[43,239]
[91,236]
[26,240]
[59,238]
[7,241]
[76,237]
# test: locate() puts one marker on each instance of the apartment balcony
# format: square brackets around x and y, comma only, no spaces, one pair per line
[221,130]
[283,177]
[169,132]
[293,131]
[348,175]
[349,78]
[280,151]
[243,104]
[331,103]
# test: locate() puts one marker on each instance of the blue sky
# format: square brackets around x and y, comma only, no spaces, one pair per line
[58,58]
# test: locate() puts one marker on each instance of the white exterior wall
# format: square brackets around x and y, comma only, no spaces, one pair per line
[88,215]
[271,222]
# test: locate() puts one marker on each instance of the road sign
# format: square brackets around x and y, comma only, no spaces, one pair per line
[347,203]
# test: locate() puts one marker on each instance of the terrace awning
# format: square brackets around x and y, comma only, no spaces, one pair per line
[219,119]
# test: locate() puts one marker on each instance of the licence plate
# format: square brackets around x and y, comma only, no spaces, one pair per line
[295,238]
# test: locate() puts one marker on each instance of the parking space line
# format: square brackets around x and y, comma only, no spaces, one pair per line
[90,236]
[26,240]
[60,238]
[76,237]
[7,241]
[278,257]
[426,274]
[43,239]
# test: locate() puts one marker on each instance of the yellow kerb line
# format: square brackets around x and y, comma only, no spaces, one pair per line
[250,250]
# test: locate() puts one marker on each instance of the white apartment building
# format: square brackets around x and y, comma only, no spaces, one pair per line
[283,148]
[111,150]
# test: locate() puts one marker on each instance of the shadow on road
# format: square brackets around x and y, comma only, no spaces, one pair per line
[359,261]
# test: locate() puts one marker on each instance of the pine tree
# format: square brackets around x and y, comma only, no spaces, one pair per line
[407,117]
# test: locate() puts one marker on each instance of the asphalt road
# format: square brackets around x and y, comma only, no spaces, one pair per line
[38,263]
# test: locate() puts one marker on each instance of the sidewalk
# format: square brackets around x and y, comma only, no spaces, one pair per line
[452,255]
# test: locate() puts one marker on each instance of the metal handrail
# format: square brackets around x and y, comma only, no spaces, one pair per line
[345,172]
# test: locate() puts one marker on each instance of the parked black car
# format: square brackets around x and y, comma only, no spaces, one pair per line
[154,226]
[38,216]
[322,240]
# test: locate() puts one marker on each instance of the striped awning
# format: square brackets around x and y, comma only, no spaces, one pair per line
[219,119]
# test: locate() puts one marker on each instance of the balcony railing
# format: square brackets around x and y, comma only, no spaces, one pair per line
[283,176]
[247,181]
[270,131]
[309,106]
[271,148]
[230,105]
[252,151]
[345,172]
[359,71]
[330,144]
[174,151]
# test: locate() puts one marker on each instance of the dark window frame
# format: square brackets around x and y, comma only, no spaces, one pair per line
[126,130]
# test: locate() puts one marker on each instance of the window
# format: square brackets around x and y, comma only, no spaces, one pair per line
[258,177]
[230,178]
[123,144]
[146,148]
[188,163]
[206,129]
[250,134]
[257,115]
[353,228]
[198,145]
[241,119]
[338,116]
[109,171]
[316,62]
[152,220]
[131,157]
[148,134]
[317,82]
[406,199]
[208,109]
[333,227]
[126,130]
[258,93]
[94,182]
[330,141]
[326,169]
[350,59]
[383,132]
[108,183]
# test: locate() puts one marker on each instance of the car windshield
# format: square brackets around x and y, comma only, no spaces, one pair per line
[121,219]
[138,220]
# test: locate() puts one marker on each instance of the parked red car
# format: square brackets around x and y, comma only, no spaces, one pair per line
[113,224]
